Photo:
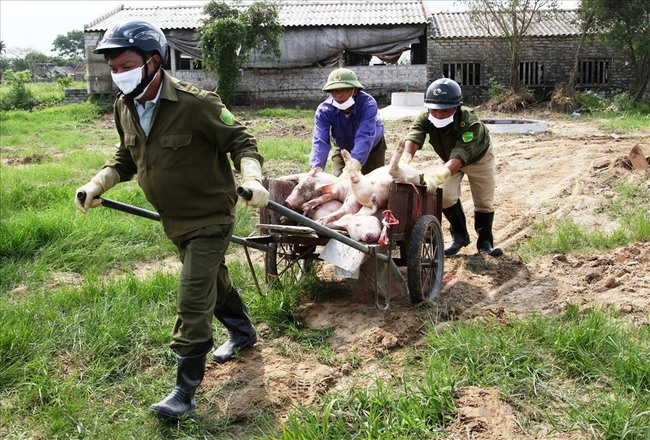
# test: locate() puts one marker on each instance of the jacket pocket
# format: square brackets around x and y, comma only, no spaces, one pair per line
[130,140]
[175,140]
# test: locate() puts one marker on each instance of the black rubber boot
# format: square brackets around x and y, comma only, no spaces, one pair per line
[483,227]
[181,402]
[241,333]
[458,228]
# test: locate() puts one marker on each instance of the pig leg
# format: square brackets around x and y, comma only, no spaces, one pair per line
[355,175]
[361,185]
[326,195]
[394,167]
[350,206]
[401,172]
[323,210]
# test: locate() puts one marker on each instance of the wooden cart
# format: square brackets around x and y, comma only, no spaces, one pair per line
[294,242]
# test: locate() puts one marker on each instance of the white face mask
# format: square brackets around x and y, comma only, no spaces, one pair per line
[129,80]
[440,123]
[344,106]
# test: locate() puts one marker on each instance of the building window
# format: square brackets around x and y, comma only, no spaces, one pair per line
[592,72]
[465,74]
[531,73]
[186,62]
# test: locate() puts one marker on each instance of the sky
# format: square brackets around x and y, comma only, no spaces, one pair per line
[28,25]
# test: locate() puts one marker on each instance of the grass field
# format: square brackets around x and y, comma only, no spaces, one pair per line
[84,331]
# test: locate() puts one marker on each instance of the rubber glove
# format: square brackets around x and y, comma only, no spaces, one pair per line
[98,185]
[353,164]
[437,177]
[251,171]
[406,158]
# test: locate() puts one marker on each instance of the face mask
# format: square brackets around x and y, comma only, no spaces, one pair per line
[440,123]
[129,80]
[346,105]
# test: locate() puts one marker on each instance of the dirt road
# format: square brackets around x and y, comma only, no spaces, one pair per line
[565,173]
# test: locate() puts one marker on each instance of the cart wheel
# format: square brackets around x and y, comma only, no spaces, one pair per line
[285,262]
[425,262]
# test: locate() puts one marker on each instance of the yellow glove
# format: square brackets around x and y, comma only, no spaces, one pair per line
[406,158]
[106,179]
[252,180]
[351,167]
[436,178]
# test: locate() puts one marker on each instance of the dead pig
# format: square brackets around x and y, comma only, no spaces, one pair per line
[372,189]
[361,227]
[309,186]
[316,193]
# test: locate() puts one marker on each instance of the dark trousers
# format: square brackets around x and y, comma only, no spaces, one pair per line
[203,286]
[376,159]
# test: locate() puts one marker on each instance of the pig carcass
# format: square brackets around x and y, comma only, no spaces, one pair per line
[372,189]
[361,227]
[317,193]
[349,206]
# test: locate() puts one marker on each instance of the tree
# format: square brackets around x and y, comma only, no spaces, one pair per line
[18,96]
[71,45]
[510,19]
[3,62]
[624,25]
[229,35]
[33,59]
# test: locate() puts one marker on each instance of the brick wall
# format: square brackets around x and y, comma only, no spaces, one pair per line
[75,96]
[302,87]
[557,54]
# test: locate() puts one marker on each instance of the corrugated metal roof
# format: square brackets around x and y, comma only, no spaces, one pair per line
[352,13]
[292,14]
[460,25]
[165,17]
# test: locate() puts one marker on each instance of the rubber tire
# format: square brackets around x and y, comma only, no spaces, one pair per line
[425,260]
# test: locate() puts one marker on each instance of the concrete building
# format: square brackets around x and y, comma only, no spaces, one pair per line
[369,37]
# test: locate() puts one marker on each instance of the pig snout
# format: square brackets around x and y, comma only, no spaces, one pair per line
[301,193]
[291,202]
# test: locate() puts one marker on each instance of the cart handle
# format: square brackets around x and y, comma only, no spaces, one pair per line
[247,194]
[151,215]
[119,206]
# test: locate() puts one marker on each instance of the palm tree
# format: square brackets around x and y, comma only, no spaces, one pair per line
[3,47]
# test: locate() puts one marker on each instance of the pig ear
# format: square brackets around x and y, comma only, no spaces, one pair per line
[324,187]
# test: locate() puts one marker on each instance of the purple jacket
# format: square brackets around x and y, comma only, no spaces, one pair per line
[358,132]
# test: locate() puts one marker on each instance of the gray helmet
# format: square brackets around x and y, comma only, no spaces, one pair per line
[442,94]
[134,34]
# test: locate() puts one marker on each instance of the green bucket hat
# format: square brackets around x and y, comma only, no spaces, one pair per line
[342,79]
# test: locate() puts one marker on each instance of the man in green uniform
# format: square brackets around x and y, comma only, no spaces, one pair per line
[463,142]
[176,138]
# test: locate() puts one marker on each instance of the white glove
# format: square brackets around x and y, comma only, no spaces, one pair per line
[252,180]
[406,158]
[436,178]
[353,164]
[98,185]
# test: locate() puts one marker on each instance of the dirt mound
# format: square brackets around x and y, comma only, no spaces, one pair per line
[512,103]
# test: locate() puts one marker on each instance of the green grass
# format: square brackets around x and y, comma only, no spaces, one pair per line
[577,371]
[45,94]
[626,122]
[85,358]
[629,208]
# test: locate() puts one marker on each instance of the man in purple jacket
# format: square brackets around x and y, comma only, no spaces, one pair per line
[350,117]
